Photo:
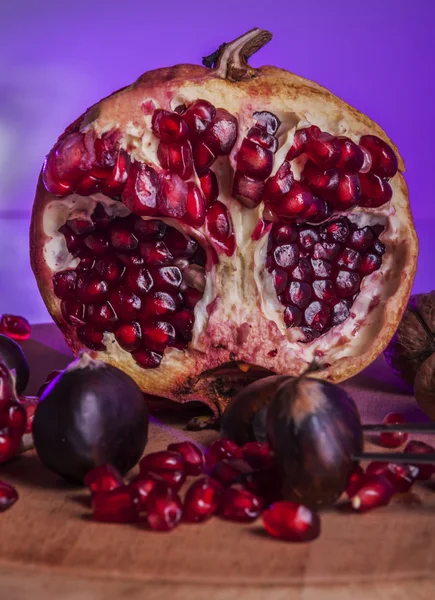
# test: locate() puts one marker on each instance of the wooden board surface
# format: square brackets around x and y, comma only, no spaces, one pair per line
[50,548]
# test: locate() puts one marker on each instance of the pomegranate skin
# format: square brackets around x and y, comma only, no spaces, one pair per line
[178,376]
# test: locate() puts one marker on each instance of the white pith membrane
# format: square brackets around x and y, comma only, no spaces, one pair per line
[240,284]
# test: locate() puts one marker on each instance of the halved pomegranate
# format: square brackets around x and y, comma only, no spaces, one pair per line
[203,219]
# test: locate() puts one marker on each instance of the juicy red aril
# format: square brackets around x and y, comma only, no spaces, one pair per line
[347,284]
[348,193]
[192,456]
[220,228]
[340,312]
[279,184]
[74,157]
[105,149]
[139,280]
[203,157]
[90,287]
[324,150]
[375,191]
[257,455]
[180,245]
[401,477]
[286,256]
[103,479]
[260,136]
[164,509]
[101,218]
[192,297]
[280,279]
[240,505]
[261,228]
[254,160]
[316,315]
[90,337]
[168,127]
[126,304]
[155,253]
[425,472]
[166,279]
[284,233]
[120,505]
[149,229]
[298,293]
[202,500]
[375,491]
[292,522]
[8,496]
[140,191]
[165,459]
[324,290]
[122,238]
[80,226]
[351,156]
[130,259]
[300,140]
[113,186]
[173,479]
[51,179]
[15,327]
[219,450]
[268,121]
[198,117]
[292,316]
[72,241]
[129,336]
[87,260]
[362,239]
[195,207]
[177,158]
[147,359]
[384,161]
[142,485]
[355,481]
[64,284]
[110,269]
[73,311]
[349,259]
[157,336]
[336,231]
[369,263]
[228,471]
[294,203]
[307,237]
[183,323]
[172,196]
[101,316]
[248,190]
[221,135]
[318,212]
[322,182]
[97,243]
[88,185]
[393,439]
[326,250]
[158,304]
[209,186]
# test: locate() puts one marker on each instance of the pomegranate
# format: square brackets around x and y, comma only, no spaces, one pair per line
[205,218]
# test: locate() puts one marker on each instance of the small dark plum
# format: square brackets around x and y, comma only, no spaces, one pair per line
[92,414]
[13,357]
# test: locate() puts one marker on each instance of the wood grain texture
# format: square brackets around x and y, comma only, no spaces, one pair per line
[51,548]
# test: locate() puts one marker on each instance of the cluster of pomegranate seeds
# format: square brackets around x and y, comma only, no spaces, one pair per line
[15,327]
[13,418]
[8,496]
[137,279]
[393,439]
[318,269]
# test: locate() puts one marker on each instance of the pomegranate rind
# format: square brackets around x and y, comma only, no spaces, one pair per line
[179,376]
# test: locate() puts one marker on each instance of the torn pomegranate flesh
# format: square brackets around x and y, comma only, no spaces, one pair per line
[393,439]
[292,522]
[128,282]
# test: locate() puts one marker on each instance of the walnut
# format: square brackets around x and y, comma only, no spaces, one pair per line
[414,341]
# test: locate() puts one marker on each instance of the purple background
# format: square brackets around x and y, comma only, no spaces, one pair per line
[55,61]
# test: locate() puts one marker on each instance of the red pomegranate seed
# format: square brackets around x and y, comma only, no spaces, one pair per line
[173,479]
[324,150]
[228,471]
[90,337]
[142,485]
[64,284]
[113,186]
[340,312]
[202,500]
[164,509]
[166,279]
[8,496]
[15,327]
[101,218]
[257,455]
[280,279]
[147,359]
[393,439]
[298,293]
[192,456]
[101,316]
[140,191]
[292,316]
[195,207]
[87,260]
[355,481]
[308,237]
[110,269]
[30,403]
[292,522]
[375,191]
[280,184]
[192,297]
[336,231]
[139,280]
[303,271]
[384,161]
[219,450]
[259,135]
[198,117]
[105,149]
[293,204]
[121,237]
[149,229]
[203,157]
[168,127]
[220,228]
[129,336]
[425,472]
[97,243]
[248,190]
[73,311]
[347,284]
[351,155]
[240,505]
[80,226]
[103,479]
[120,505]
[286,256]
[369,263]
[260,229]
[74,157]
[183,323]
[300,139]
[401,477]
[324,183]
[318,212]
[221,135]
[268,120]
[158,304]
[284,233]
[88,185]
[179,245]
[374,492]
[172,195]
[254,161]
[158,336]
[316,315]
[362,239]
[72,241]
[324,290]
[177,158]
[155,253]
[51,179]
[326,250]
[348,193]
[349,259]
[209,186]
[126,304]
[163,459]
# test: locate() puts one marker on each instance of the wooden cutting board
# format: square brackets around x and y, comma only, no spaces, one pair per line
[51,549]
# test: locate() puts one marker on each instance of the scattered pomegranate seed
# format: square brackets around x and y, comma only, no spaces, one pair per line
[393,439]
[164,509]
[219,450]
[374,492]
[401,477]
[240,505]
[425,472]
[192,456]
[119,505]
[229,471]
[8,496]
[162,460]
[257,455]
[202,500]
[292,522]
[142,485]
[103,479]
[355,481]
[15,327]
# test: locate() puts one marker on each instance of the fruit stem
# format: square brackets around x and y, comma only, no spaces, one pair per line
[230,59]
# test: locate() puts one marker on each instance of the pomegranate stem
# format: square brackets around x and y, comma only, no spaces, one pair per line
[230,59]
